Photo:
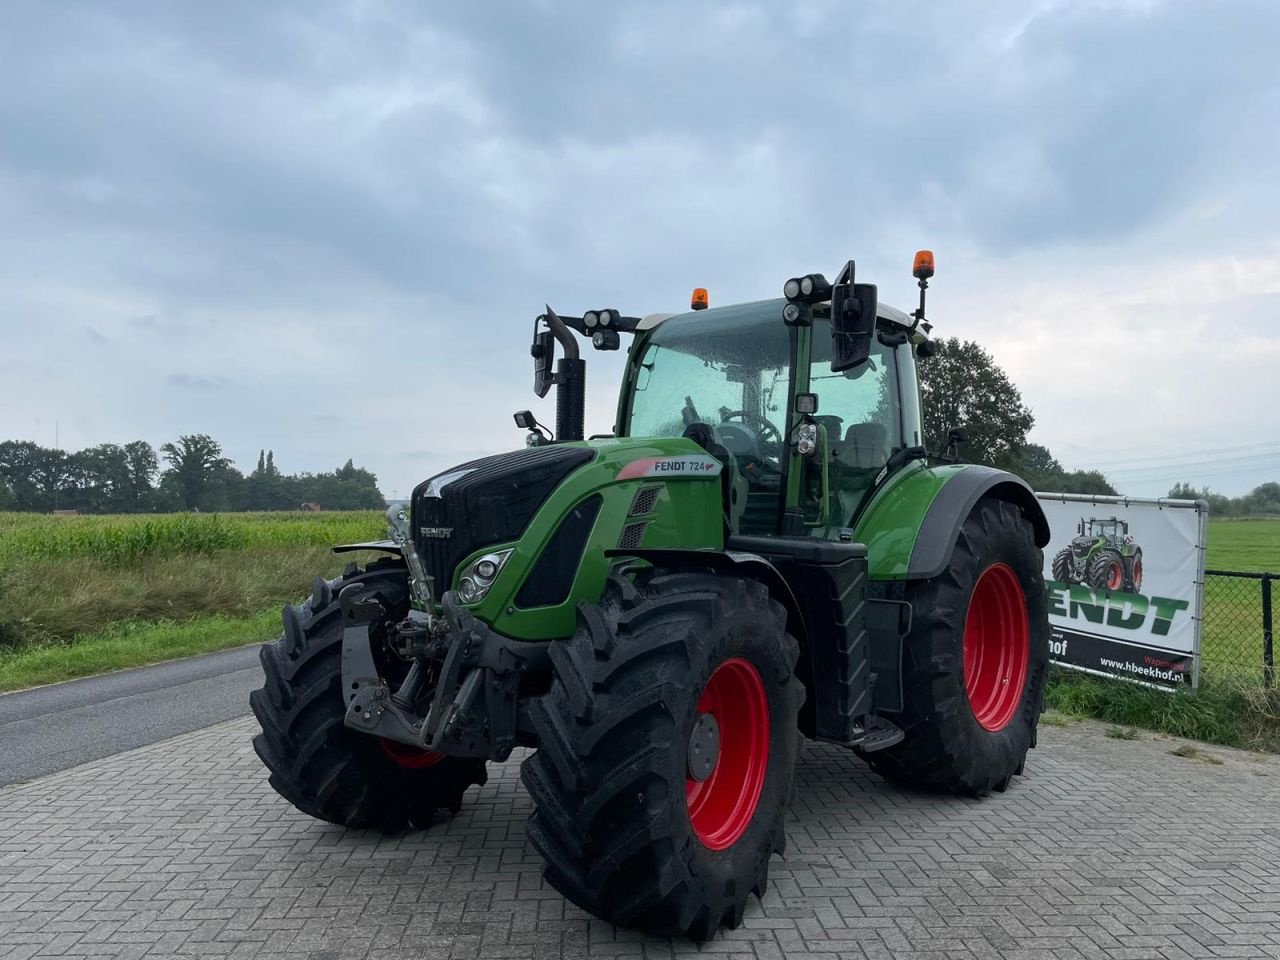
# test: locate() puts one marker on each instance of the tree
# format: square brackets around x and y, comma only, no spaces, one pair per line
[195,463]
[961,386]
[142,466]
[18,464]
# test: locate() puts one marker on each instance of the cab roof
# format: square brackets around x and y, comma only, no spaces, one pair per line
[884,312]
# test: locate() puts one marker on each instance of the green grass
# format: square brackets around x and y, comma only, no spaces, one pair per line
[132,644]
[84,595]
[1251,545]
[1219,712]
[54,602]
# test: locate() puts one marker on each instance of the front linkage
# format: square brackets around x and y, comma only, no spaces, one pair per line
[466,676]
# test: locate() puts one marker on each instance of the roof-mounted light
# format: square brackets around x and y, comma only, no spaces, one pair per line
[811,288]
[590,319]
[922,268]
[700,300]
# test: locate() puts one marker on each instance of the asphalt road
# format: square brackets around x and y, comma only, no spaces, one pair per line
[52,728]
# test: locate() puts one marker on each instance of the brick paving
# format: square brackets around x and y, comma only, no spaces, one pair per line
[1108,848]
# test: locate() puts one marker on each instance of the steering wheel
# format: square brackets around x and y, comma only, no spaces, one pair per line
[766,430]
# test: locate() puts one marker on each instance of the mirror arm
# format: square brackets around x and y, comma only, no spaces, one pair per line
[562,333]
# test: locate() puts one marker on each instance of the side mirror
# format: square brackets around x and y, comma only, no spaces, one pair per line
[853,322]
[955,437]
[543,352]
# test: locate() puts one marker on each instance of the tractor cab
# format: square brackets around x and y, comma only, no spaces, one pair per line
[729,378]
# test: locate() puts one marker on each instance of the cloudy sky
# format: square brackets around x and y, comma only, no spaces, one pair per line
[325,228]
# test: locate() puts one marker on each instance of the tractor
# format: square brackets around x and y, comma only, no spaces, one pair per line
[763,551]
[1103,555]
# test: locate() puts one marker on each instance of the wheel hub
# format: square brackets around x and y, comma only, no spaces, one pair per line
[704,747]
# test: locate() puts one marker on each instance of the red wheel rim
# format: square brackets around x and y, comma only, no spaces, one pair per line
[722,805]
[1115,575]
[996,647]
[1137,573]
[403,755]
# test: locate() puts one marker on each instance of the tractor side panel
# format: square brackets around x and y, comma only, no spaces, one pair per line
[615,501]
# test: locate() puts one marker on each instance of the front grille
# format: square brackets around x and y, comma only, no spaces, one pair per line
[490,501]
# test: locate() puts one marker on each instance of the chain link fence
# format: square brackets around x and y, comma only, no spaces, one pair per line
[1237,635]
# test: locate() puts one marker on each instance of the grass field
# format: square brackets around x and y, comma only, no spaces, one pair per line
[1249,545]
[79,595]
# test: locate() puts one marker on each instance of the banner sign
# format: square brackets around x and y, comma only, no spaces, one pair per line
[1125,582]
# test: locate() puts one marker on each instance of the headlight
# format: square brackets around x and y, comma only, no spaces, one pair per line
[590,319]
[476,580]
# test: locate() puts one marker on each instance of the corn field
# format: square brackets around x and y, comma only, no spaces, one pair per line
[120,540]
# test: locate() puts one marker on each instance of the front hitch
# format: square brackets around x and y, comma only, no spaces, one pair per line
[474,711]
[480,662]
[371,706]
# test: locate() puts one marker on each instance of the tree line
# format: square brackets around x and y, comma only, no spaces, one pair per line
[1262,500]
[192,473]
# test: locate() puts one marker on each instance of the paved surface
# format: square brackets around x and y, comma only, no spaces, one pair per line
[52,728]
[1109,848]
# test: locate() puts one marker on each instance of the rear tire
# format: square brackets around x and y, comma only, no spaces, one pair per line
[628,832]
[317,763]
[975,662]
[1133,573]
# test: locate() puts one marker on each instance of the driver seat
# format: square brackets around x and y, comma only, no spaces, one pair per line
[733,485]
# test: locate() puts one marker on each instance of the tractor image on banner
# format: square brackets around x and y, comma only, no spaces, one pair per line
[1126,586]
[762,550]
[1103,555]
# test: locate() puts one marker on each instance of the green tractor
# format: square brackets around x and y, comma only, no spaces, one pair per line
[1103,555]
[762,551]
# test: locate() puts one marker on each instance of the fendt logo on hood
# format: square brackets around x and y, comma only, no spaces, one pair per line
[437,533]
[1127,611]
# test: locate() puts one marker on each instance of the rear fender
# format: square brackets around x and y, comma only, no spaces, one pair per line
[911,526]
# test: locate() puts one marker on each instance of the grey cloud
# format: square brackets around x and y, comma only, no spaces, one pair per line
[192,381]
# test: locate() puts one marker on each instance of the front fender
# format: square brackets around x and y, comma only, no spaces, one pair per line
[911,526]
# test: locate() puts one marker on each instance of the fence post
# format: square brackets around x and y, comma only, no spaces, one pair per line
[1268,651]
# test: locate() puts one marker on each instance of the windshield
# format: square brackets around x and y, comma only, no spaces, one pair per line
[727,368]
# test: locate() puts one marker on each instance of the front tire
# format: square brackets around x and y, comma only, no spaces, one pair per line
[648,813]
[317,763]
[1106,571]
[1062,566]
[975,662]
